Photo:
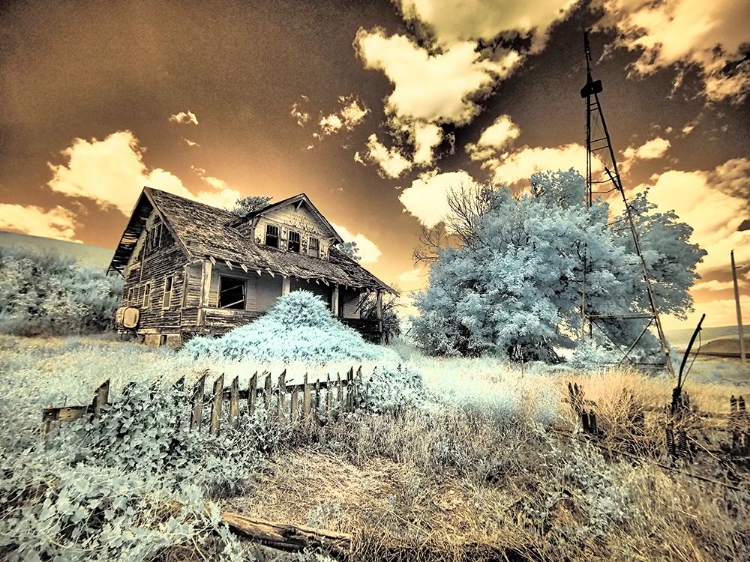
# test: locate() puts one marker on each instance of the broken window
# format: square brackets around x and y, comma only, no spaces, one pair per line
[272,236]
[131,296]
[168,284]
[313,249]
[293,244]
[231,293]
[147,295]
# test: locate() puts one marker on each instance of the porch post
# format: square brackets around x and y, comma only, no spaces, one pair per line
[335,301]
[286,285]
[205,283]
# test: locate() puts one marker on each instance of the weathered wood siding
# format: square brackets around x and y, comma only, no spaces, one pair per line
[192,296]
[299,220]
[154,268]
[265,290]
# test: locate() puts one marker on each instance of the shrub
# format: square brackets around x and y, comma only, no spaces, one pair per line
[299,327]
[42,294]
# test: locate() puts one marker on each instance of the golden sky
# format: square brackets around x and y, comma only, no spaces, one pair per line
[374,109]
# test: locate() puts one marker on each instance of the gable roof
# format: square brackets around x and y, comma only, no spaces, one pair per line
[300,199]
[206,232]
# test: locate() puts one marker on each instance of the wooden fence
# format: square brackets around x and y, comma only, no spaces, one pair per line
[687,433]
[306,402]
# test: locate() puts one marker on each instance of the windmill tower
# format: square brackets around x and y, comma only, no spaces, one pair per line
[599,147]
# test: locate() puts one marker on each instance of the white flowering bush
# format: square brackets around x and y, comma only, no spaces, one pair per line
[299,327]
[389,389]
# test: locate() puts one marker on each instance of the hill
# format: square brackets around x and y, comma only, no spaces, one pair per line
[92,256]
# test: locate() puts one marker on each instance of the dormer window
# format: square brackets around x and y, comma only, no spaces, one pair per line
[272,236]
[313,248]
[293,244]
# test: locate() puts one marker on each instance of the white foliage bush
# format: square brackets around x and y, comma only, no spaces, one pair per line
[299,327]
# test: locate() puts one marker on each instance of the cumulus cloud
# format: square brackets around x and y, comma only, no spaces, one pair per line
[368,250]
[190,143]
[390,161]
[494,138]
[513,167]
[426,138]
[427,197]
[714,203]
[184,118]
[650,150]
[330,124]
[352,113]
[112,173]
[453,21]
[710,36]
[58,223]
[412,277]
[437,87]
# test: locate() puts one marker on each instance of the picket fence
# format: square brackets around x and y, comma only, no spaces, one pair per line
[296,403]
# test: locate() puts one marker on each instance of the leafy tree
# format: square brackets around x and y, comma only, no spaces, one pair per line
[350,250]
[513,285]
[250,204]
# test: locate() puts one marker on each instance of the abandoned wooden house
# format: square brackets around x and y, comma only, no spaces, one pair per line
[190,268]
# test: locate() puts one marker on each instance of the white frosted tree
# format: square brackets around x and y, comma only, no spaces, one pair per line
[513,285]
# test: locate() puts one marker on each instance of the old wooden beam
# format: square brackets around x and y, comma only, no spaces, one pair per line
[292,538]
[306,400]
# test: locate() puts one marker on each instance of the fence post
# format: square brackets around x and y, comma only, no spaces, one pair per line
[267,397]
[295,404]
[252,393]
[329,398]
[216,405]
[317,394]
[306,400]
[100,398]
[282,395]
[339,392]
[234,400]
[197,400]
[350,390]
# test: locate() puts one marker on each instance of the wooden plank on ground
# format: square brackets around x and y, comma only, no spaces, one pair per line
[292,538]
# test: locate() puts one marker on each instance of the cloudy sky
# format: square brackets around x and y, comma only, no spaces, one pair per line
[374,109]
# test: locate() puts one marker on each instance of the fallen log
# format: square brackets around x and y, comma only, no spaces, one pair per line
[288,537]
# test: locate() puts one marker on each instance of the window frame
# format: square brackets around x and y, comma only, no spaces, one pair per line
[166,301]
[132,296]
[231,306]
[147,295]
[298,242]
[277,236]
[310,246]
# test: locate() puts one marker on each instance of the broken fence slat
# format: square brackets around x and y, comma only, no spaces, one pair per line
[218,398]
[197,401]
[295,405]
[252,393]
[288,537]
[100,398]
[306,400]
[234,401]
[268,389]
[282,395]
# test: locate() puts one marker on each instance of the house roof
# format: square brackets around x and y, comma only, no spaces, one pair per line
[207,232]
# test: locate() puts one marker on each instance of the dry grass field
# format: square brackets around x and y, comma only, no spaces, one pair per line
[490,465]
